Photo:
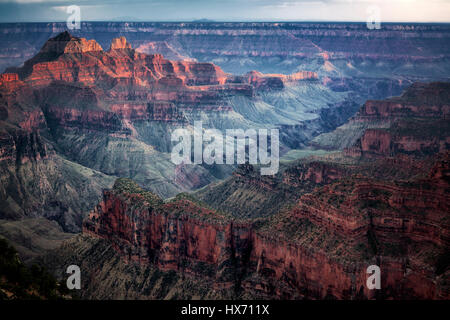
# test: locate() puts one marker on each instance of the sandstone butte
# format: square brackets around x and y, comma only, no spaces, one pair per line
[124,82]
[104,85]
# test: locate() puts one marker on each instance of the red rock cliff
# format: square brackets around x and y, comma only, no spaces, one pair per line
[287,257]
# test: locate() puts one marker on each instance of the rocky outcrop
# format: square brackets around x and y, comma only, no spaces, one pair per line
[276,81]
[355,207]
[425,101]
[416,123]
[8,77]
[376,142]
[9,82]
[57,61]
[66,43]
[120,43]
[291,255]
[314,172]
[178,235]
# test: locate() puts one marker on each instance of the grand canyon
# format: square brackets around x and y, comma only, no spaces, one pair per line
[86,118]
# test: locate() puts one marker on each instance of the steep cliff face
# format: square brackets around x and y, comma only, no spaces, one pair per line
[417,208]
[317,249]
[414,123]
[386,204]
[178,235]
[376,142]
[276,81]
[418,101]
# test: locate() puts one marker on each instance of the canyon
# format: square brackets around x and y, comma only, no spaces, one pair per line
[86,175]
[93,115]
[346,211]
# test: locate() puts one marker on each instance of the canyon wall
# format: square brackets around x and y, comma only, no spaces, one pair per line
[271,47]
[382,202]
[270,259]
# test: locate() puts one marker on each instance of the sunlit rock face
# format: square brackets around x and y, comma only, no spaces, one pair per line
[120,43]
[113,111]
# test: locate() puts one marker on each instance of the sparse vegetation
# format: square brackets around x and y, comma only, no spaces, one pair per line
[17,281]
[128,186]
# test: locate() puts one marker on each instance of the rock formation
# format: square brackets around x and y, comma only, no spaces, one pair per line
[319,248]
[390,209]
[108,111]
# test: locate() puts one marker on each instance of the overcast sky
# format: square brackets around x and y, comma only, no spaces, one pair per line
[226,10]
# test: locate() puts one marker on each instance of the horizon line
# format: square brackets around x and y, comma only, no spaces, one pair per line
[230,21]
